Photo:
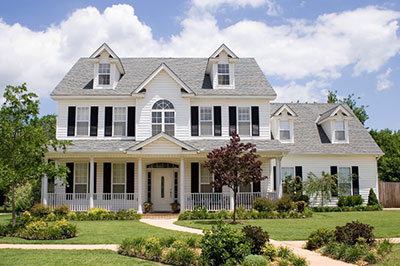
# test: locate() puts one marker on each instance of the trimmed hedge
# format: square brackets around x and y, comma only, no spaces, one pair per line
[348,209]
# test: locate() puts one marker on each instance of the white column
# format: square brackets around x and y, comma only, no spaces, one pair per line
[140,187]
[232,199]
[44,190]
[91,182]
[182,184]
[278,177]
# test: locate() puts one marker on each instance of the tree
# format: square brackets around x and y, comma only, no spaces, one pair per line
[24,143]
[234,165]
[359,111]
[320,187]
[388,164]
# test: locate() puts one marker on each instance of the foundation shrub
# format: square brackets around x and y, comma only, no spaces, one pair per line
[255,260]
[62,210]
[264,205]
[257,236]
[285,204]
[372,199]
[40,210]
[350,201]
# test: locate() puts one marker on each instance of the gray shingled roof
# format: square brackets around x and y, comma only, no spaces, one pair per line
[249,79]
[309,138]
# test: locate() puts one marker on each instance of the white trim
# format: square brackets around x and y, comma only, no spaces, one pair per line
[87,176]
[348,116]
[112,177]
[212,121]
[288,110]
[244,121]
[120,121]
[158,136]
[225,48]
[105,47]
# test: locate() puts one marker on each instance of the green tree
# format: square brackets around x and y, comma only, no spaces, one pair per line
[388,164]
[359,111]
[320,187]
[24,143]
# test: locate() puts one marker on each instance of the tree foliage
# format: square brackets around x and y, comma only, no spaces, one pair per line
[388,164]
[234,165]
[25,139]
[351,101]
[320,188]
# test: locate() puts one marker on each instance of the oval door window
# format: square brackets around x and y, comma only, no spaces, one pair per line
[162,187]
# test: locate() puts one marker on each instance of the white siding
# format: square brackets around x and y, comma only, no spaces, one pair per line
[161,146]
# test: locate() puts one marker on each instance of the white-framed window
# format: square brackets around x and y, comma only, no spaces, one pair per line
[118,178]
[81,178]
[205,180]
[206,121]
[163,118]
[345,181]
[104,76]
[119,121]
[82,121]
[287,171]
[284,130]
[244,121]
[223,74]
[246,188]
[340,133]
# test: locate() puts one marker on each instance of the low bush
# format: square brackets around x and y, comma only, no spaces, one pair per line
[255,260]
[372,199]
[301,197]
[40,210]
[319,238]
[348,209]
[257,236]
[264,205]
[383,247]
[180,254]
[285,204]
[62,210]
[41,230]
[270,251]
[350,201]
[153,249]
[351,232]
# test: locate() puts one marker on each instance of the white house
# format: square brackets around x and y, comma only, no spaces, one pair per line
[142,127]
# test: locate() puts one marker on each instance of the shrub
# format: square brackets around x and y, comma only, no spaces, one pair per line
[350,201]
[224,245]
[97,212]
[319,238]
[330,249]
[270,251]
[354,253]
[356,200]
[242,213]
[372,199]
[297,261]
[24,197]
[62,210]
[40,210]
[40,230]
[223,214]
[371,257]
[384,247]
[153,249]
[284,204]
[351,232]
[264,205]
[301,197]
[37,230]
[62,229]
[301,205]
[199,213]
[167,241]
[181,255]
[132,247]
[284,252]
[255,260]
[308,212]
[257,236]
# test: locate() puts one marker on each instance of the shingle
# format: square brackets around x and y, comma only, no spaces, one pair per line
[249,79]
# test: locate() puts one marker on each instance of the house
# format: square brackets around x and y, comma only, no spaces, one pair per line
[142,128]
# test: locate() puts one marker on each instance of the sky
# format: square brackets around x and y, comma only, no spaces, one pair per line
[304,47]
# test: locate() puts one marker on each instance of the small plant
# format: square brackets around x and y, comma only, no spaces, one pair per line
[351,232]
[255,260]
[301,205]
[62,210]
[264,205]
[257,236]
[372,199]
[40,210]
[285,204]
[181,255]
[270,251]
[147,206]
[319,238]
[153,249]
[354,253]
[371,257]
[284,252]
[384,247]
[175,206]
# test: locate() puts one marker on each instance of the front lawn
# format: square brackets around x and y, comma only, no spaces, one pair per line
[385,223]
[392,259]
[67,257]
[101,232]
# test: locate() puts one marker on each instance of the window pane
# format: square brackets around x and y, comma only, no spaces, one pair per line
[119,173]
[163,104]
[120,114]
[344,181]
[339,125]
[340,135]
[287,171]
[244,128]
[118,188]
[244,114]
[169,117]
[82,114]
[206,188]
[119,128]
[205,175]
[170,130]
[284,134]
[80,188]
[81,173]
[223,68]
[104,68]
[206,128]
[156,129]
[82,128]
[104,79]
[205,113]
[223,79]
[284,125]
[246,188]
[156,117]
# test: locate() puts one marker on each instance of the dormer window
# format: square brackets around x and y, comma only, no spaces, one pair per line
[284,130]
[104,74]
[340,134]
[223,74]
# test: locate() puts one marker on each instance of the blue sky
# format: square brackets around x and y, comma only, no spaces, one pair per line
[305,48]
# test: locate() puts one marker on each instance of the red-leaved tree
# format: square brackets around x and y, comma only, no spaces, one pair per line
[234,165]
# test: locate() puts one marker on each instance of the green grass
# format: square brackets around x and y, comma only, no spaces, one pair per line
[392,259]
[385,223]
[67,257]
[101,232]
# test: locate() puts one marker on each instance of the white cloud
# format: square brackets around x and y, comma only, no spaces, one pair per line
[214,4]
[312,91]
[382,80]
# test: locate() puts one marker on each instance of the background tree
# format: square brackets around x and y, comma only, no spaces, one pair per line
[388,164]
[320,187]
[24,142]
[359,111]
[234,165]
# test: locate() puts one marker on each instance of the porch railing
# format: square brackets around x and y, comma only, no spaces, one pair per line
[220,201]
[80,201]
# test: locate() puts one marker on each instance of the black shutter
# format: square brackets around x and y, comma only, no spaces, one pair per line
[218,189]
[108,122]
[130,177]
[334,190]
[131,121]
[95,178]
[70,179]
[299,172]
[88,180]
[217,121]
[356,184]
[257,186]
[255,121]
[71,120]
[107,178]
[94,119]
[232,119]
[274,174]
[195,177]
[194,120]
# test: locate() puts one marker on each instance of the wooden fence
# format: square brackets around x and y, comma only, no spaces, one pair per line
[389,194]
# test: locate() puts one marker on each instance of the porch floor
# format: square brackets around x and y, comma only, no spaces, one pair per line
[160,215]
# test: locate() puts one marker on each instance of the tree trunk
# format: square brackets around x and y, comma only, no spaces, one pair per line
[234,206]
[5,203]
[13,204]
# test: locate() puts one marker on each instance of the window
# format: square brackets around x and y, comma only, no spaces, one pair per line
[223,74]
[284,130]
[118,178]
[81,178]
[344,181]
[119,121]
[104,74]
[339,131]
[245,188]
[82,121]
[287,171]
[163,118]
[206,121]
[205,180]
[244,121]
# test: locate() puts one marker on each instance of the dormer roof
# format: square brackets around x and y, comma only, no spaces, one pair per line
[332,113]
[112,55]
[225,48]
[286,108]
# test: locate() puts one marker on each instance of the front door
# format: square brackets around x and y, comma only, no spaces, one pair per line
[162,189]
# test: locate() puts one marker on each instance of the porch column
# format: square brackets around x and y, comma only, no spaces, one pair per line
[44,190]
[182,184]
[140,187]
[91,183]
[232,199]
[278,177]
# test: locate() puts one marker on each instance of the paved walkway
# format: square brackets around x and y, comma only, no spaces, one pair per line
[61,246]
[169,224]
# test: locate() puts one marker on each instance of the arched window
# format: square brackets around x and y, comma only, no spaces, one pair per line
[163,118]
